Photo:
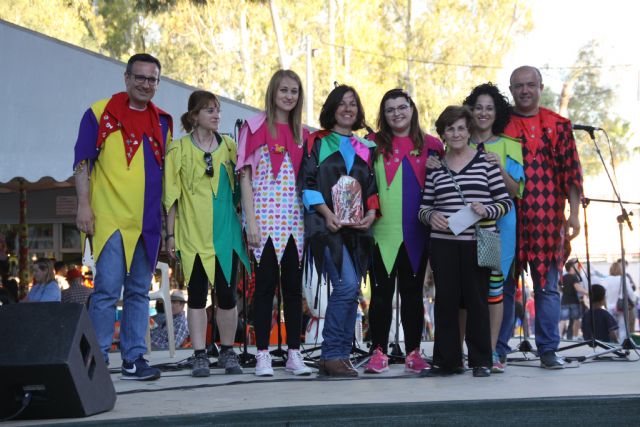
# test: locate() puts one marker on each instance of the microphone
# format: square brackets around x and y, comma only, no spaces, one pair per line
[586,128]
[236,128]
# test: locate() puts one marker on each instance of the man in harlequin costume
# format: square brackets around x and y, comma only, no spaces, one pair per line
[553,175]
[119,157]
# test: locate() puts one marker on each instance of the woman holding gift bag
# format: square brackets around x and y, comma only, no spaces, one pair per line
[465,182]
[338,182]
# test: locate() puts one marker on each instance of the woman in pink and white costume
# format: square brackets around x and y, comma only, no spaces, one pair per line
[269,157]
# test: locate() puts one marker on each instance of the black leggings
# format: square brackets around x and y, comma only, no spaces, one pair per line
[412,307]
[199,286]
[268,274]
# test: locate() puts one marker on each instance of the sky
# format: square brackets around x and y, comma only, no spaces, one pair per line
[571,24]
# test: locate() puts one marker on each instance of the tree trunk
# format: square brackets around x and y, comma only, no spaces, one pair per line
[277,28]
[345,36]
[408,37]
[332,40]
[565,95]
[245,49]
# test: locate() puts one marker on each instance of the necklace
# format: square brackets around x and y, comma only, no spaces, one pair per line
[201,145]
[491,137]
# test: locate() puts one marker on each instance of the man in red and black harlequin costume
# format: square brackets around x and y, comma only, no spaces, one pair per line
[552,176]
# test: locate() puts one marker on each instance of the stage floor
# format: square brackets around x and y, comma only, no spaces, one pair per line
[176,393]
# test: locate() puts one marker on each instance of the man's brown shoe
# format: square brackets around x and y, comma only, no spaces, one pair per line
[336,368]
[321,370]
[350,366]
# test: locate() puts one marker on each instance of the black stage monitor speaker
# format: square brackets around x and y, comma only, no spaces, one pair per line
[49,350]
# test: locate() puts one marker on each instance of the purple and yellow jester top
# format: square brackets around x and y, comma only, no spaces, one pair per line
[125,182]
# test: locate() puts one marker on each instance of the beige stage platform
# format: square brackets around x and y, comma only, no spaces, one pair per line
[204,401]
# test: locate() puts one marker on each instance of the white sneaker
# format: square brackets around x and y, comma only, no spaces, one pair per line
[263,364]
[295,363]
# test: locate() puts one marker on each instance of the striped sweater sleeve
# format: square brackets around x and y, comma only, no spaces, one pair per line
[479,181]
[502,203]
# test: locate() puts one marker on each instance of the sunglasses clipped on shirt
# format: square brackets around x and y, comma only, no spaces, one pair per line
[208,161]
[207,156]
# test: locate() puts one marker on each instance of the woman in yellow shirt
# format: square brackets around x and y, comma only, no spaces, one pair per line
[203,228]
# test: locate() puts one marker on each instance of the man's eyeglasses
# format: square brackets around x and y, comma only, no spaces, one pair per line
[400,109]
[207,160]
[140,79]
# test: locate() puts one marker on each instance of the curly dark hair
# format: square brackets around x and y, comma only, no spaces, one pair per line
[502,106]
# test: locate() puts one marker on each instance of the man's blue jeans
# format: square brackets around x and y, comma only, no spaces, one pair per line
[340,316]
[547,304]
[111,276]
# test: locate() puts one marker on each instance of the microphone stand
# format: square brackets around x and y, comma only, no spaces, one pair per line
[279,352]
[309,266]
[213,350]
[359,355]
[246,358]
[627,344]
[396,354]
[525,346]
[593,342]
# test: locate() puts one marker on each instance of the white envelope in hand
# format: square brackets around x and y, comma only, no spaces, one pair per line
[463,219]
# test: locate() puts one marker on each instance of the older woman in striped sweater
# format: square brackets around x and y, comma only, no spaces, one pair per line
[458,278]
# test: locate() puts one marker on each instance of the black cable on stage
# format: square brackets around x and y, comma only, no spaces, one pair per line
[26,400]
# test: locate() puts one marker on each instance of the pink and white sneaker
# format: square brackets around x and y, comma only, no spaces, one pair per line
[415,363]
[498,366]
[263,364]
[378,363]
[295,363]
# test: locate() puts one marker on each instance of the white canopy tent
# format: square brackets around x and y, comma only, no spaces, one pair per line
[45,87]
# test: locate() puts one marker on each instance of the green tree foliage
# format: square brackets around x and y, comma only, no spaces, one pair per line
[66,20]
[586,100]
[437,50]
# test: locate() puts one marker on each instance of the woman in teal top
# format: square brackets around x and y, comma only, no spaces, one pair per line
[491,112]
